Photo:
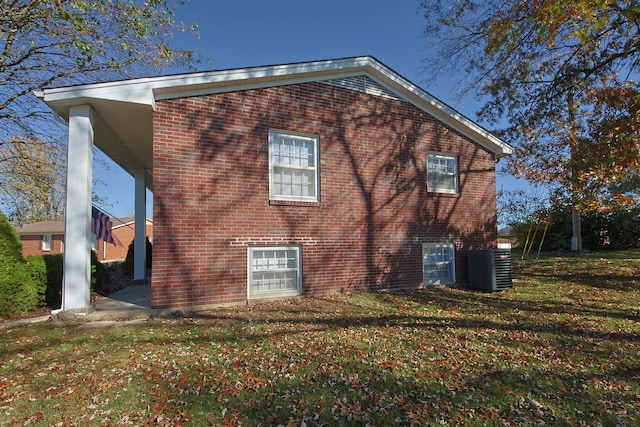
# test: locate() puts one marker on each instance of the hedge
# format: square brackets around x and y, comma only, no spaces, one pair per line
[25,283]
[21,281]
[100,278]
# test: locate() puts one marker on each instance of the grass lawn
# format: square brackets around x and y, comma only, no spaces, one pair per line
[560,348]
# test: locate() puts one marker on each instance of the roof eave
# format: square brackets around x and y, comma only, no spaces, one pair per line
[146,91]
[427,102]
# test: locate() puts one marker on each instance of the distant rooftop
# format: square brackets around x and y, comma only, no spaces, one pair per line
[57,227]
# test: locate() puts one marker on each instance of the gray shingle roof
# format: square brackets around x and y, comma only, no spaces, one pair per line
[42,227]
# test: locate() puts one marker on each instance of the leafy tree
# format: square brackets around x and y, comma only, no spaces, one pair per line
[521,206]
[46,43]
[33,176]
[33,180]
[559,75]
[615,229]
[54,42]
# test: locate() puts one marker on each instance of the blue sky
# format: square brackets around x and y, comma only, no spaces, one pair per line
[244,33]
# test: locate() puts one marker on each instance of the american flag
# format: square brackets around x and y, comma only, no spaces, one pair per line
[101,225]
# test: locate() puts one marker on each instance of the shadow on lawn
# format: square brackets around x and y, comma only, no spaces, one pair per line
[616,270]
[481,311]
[346,389]
[304,360]
[593,278]
[476,302]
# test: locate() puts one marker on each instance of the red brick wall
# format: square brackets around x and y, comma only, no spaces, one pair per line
[211,193]
[124,235]
[32,245]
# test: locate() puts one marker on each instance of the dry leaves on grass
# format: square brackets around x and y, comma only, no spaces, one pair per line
[531,356]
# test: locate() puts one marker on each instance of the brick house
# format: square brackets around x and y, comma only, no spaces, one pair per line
[42,238]
[47,238]
[305,178]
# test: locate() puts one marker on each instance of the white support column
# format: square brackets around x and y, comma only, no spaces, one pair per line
[140,246]
[76,282]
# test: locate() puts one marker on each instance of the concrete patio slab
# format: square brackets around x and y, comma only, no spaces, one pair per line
[132,302]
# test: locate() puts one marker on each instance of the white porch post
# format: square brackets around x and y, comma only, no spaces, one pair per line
[76,282]
[140,246]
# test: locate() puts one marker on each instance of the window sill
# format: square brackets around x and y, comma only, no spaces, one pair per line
[270,296]
[294,203]
[442,194]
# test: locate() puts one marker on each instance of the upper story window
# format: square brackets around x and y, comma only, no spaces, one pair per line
[47,240]
[293,166]
[442,173]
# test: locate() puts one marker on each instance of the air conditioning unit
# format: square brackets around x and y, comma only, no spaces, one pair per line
[490,269]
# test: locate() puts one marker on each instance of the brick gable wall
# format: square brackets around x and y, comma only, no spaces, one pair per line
[211,193]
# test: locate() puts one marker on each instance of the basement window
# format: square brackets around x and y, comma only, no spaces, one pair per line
[438,263]
[274,271]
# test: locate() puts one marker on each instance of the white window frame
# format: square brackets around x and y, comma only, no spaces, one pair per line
[435,175]
[436,257]
[280,269]
[47,242]
[274,165]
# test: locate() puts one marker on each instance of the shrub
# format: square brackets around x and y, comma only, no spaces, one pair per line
[37,270]
[128,262]
[10,245]
[21,282]
[17,291]
[100,278]
[619,229]
[54,265]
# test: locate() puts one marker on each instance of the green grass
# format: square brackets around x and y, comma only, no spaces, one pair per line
[560,348]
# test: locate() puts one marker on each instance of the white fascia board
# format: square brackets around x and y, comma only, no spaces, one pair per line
[246,84]
[195,84]
[425,101]
[40,233]
[129,91]
[147,90]
[198,84]
[121,224]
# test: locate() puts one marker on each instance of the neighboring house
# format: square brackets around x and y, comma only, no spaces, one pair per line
[47,238]
[306,178]
[42,238]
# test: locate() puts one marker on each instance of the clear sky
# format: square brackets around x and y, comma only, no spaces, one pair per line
[245,33]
